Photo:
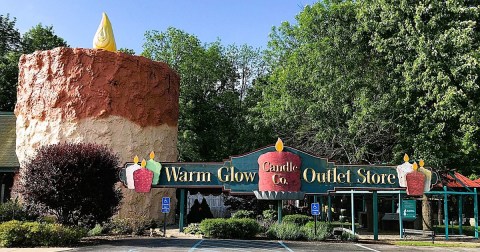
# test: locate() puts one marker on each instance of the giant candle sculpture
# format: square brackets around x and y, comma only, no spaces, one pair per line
[128,103]
[279,171]
[428,176]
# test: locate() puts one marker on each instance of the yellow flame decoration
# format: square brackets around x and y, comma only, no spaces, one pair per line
[144,163]
[421,163]
[406,158]
[279,145]
[415,166]
[104,38]
[135,159]
[152,155]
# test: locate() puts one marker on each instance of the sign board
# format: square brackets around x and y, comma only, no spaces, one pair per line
[315,209]
[409,209]
[240,174]
[165,204]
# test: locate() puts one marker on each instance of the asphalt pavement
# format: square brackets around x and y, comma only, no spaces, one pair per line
[221,245]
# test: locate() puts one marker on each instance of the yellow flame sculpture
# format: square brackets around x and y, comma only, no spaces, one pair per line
[104,38]
[279,145]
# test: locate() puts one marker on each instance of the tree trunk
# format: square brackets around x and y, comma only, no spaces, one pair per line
[426,214]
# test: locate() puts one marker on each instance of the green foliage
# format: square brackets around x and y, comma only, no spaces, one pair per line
[41,38]
[214,118]
[230,228]
[367,81]
[270,215]
[240,214]
[297,219]
[193,228]
[77,182]
[324,231]
[347,236]
[127,51]
[95,231]
[285,231]
[12,210]
[33,234]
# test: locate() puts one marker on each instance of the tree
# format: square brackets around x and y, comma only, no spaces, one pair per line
[74,182]
[326,92]
[41,38]
[430,50]
[127,51]
[211,114]
[10,47]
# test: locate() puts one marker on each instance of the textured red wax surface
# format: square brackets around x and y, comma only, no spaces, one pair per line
[266,179]
[415,183]
[142,179]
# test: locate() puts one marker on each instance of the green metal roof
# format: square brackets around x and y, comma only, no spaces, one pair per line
[8,157]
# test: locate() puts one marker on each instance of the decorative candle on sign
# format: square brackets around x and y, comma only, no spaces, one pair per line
[415,182]
[129,173]
[428,176]
[143,179]
[403,170]
[155,167]
[279,170]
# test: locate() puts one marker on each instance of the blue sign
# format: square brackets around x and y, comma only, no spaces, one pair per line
[165,205]
[315,209]
[166,201]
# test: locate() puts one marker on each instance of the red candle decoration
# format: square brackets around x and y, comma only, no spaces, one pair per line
[415,182]
[279,171]
[142,179]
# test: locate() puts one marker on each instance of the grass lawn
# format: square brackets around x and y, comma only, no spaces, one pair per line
[437,244]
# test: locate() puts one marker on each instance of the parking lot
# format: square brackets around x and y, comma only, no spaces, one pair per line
[190,245]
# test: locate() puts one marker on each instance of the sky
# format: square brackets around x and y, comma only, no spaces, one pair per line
[232,21]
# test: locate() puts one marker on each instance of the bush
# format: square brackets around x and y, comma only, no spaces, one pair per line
[285,231]
[347,236]
[33,234]
[12,210]
[324,230]
[97,230]
[77,182]
[270,215]
[242,214]
[230,228]
[297,219]
[193,228]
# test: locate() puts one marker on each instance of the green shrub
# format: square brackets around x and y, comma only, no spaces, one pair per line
[324,230]
[193,228]
[241,214]
[33,234]
[298,219]
[230,228]
[97,230]
[12,210]
[285,231]
[270,215]
[347,236]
